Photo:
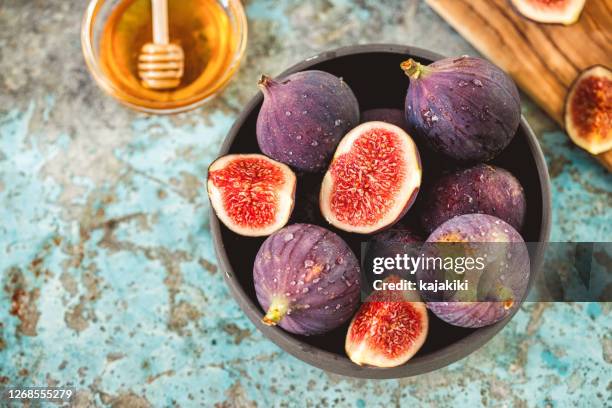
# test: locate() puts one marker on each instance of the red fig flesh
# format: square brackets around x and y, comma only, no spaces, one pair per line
[373,179]
[251,194]
[550,11]
[588,110]
[387,330]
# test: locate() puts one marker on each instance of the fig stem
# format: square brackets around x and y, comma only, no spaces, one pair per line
[265,82]
[277,310]
[412,68]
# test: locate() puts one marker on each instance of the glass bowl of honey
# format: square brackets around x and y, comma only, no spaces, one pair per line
[212,34]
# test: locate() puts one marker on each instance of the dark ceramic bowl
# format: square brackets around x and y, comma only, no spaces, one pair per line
[373,72]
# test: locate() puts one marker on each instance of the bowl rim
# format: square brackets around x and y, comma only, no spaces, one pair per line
[126,99]
[338,364]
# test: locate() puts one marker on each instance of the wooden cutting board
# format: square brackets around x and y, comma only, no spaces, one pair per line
[544,59]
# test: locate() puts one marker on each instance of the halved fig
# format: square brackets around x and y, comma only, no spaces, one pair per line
[373,179]
[388,329]
[251,194]
[550,11]
[588,110]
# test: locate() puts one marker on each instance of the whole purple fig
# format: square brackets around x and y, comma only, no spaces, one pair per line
[488,256]
[303,118]
[466,107]
[482,189]
[306,279]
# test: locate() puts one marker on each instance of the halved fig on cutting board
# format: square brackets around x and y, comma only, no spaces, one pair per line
[251,194]
[588,110]
[550,11]
[388,329]
[373,179]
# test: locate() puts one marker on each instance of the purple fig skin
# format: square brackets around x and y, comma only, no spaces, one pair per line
[393,116]
[397,234]
[303,118]
[466,107]
[501,285]
[482,189]
[307,279]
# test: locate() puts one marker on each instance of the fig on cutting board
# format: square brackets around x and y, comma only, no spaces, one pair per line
[393,116]
[373,179]
[251,194]
[389,328]
[495,287]
[482,189]
[588,110]
[550,11]
[303,117]
[464,107]
[306,279]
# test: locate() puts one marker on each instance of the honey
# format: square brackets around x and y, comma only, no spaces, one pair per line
[201,27]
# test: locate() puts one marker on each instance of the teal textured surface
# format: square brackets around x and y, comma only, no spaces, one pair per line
[108,276]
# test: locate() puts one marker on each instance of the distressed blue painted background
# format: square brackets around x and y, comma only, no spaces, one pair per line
[108,277]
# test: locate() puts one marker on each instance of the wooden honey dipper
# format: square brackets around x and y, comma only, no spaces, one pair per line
[160,64]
